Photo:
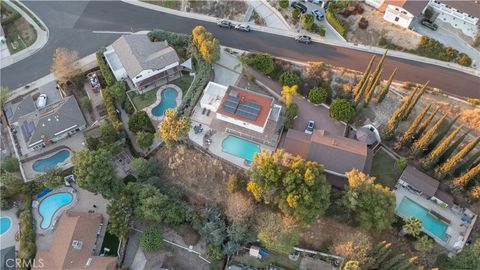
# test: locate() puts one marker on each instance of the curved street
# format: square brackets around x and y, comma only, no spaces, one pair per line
[71,25]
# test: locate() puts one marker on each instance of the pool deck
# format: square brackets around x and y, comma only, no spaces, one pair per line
[7,239]
[148,110]
[457,229]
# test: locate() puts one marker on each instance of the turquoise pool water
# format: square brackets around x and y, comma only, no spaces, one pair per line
[50,205]
[5,224]
[42,165]
[240,147]
[169,100]
[430,223]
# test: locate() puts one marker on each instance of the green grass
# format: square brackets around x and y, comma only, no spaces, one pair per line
[111,242]
[183,82]
[35,19]
[278,260]
[144,100]
[384,169]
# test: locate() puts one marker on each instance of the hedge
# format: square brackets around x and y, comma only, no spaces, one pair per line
[111,110]
[290,115]
[335,22]
[171,37]
[106,72]
[27,249]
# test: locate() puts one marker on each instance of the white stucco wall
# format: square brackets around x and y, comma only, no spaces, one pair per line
[240,123]
[456,18]
[398,16]
[374,3]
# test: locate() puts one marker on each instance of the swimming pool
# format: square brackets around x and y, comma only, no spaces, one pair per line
[49,206]
[5,224]
[240,147]
[42,165]
[430,223]
[168,101]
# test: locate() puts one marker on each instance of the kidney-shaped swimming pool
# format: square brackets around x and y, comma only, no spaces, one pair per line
[50,205]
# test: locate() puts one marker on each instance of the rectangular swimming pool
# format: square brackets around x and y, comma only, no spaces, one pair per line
[240,147]
[408,208]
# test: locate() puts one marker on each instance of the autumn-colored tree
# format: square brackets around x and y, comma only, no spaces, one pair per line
[65,65]
[412,226]
[371,89]
[352,265]
[425,123]
[432,158]
[463,180]
[353,246]
[392,124]
[407,137]
[455,161]
[207,45]
[469,163]
[198,35]
[174,128]
[414,101]
[288,92]
[386,88]
[364,78]
[475,193]
[296,186]
[424,141]
[378,254]
[239,208]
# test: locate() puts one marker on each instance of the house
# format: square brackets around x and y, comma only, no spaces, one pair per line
[38,127]
[238,106]
[423,184]
[142,63]
[75,245]
[398,16]
[338,154]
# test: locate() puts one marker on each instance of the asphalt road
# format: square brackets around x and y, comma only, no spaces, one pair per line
[71,24]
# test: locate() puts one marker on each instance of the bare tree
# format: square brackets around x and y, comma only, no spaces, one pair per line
[65,65]
[239,207]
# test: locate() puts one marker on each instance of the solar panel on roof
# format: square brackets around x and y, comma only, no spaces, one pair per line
[246,115]
[252,105]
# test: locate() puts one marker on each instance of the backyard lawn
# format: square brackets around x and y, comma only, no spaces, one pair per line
[183,82]
[384,169]
[110,242]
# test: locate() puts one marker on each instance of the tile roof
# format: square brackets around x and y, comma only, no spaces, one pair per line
[63,255]
[338,154]
[265,103]
[138,53]
[420,181]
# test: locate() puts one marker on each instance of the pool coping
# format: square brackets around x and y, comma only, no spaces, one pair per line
[59,165]
[10,227]
[56,215]
[245,160]
[178,101]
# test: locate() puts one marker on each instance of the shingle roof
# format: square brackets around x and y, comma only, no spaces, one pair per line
[420,181]
[138,53]
[22,108]
[62,255]
[338,154]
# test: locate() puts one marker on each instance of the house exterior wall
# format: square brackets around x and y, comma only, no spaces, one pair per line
[398,16]
[145,74]
[241,123]
[456,18]
[374,3]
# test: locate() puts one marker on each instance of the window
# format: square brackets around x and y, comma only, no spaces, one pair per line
[396,19]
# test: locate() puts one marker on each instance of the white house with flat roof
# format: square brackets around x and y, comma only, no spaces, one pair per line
[398,16]
[463,15]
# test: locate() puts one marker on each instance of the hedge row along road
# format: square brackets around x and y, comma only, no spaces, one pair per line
[71,25]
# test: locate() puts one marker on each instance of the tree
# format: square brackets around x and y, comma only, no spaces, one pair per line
[352,265]
[144,139]
[364,78]
[425,140]
[11,184]
[141,168]
[296,186]
[468,258]
[238,235]
[424,244]
[397,115]
[307,21]
[378,254]
[290,115]
[118,90]
[456,160]
[442,133]
[469,163]
[425,123]
[353,246]
[401,164]
[277,233]
[386,88]
[118,211]
[412,226]
[432,158]
[214,253]
[370,84]
[214,228]
[239,207]
[361,93]
[140,122]
[296,13]
[475,193]
[342,110]
[5,94]
[373,204]
[65,65]
[454,146]
[108,134]
[207,45]
[288,92]
[95,172]
[10,164]
[51,178]
[173,127]
[289,78]
[407,137]
[463,180]
[317,95]
[414,101]
[283,3]
[371,90]
[151,239]
[263,63]
[86,104]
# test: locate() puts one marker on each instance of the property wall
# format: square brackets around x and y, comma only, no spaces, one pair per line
[398,16]
[456,18]
[240,123]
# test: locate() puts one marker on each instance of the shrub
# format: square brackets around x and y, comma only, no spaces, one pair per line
[144,139]
[283,3]
[214,253]
[27,249]
[308,21]
[296,15]
[172,38]
[289,78]
[140,122]
[86,104]
[263,63]
[464,60]
[151,239]
[111,110]
[10,164]
[318,29]
[474,101]
[317,95]
[342,110]
[104,69]
[292,111]
[335,22]
[363,23]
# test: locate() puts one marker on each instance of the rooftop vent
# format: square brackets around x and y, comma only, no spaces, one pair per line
[77,244]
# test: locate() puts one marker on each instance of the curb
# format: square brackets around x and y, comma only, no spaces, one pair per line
[277,13]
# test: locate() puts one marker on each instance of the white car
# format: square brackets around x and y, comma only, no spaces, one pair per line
[310,127]
[242,27]
[41,101]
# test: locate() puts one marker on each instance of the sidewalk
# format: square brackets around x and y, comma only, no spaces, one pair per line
[318,39]
[42,38]
[272,17]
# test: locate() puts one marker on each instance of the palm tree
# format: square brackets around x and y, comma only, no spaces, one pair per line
[412,226]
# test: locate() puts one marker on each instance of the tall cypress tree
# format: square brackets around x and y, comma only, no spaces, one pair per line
[364,78]
[453,147]
[468,163]
[396,117]
[432,158]
[408,135]
[463,180]
[371,90]
[386,88]
[455,161]
[422,143]
[362,90]
[412,104]
[442,133]
[425,124]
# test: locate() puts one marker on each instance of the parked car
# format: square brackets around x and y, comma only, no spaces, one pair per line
[322,4]
[225,24]
[310,127]
[299,6]
[41,101]
[242,27]
[304,39]
[318,14]
[429,24]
